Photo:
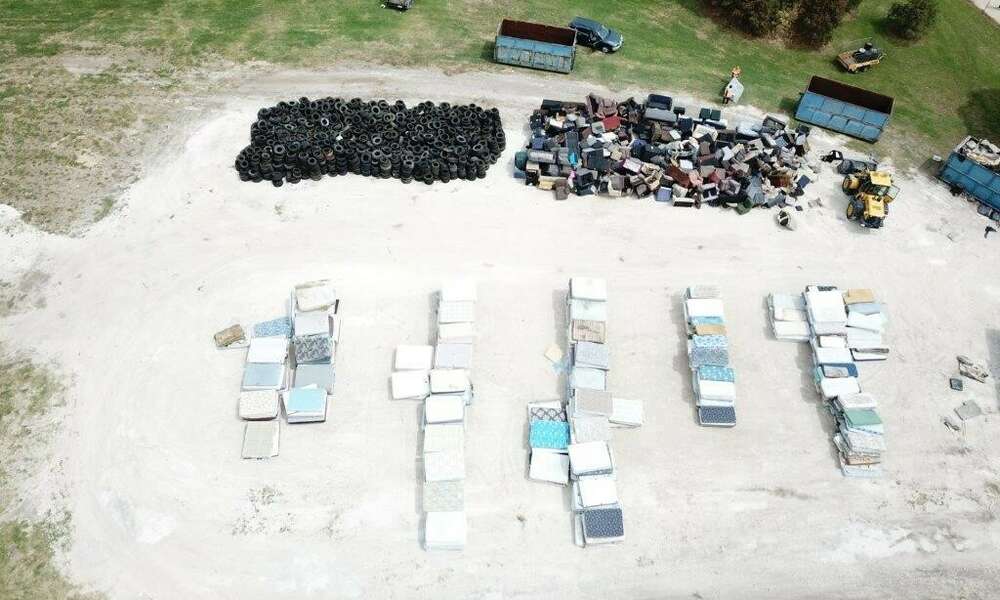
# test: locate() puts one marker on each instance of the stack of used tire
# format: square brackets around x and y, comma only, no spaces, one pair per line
[307,139]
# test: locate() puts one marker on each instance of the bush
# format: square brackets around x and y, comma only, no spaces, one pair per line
[756,17]
[911,20]
[817,19]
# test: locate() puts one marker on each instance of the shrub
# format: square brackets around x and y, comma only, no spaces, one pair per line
[817,19]
[911,20]
[756,17]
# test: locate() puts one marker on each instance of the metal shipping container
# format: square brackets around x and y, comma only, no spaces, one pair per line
[979,181]
[536,46]
[833,105]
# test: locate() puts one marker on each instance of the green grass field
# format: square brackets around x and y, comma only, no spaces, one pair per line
[946,85]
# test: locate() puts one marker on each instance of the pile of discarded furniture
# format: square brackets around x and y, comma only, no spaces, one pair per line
[438,375]
[570,441]
[843,329]
[973,168]
[712,378]
[307,139]
[289,365]
[656,149]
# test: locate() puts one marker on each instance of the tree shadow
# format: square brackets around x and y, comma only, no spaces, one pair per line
[981,113]
[486,53]
[993,348]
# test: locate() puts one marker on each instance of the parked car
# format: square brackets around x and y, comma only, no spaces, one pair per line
[397,4]
[595,35]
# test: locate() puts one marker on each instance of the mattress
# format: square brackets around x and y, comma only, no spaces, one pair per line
[314,295]
[444,438]
[453,356]
[589,354]
[456,312]
[260,439]
[263,376]
[588,288]
[551,435]
[443,496]
[267,350]
[410,385]
[258,405]
[588,310]
[445,530]
[550,467]
[322,376]
[411,357]
[449,381]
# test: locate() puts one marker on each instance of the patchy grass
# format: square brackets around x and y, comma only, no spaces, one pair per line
[28,562]
[107,205]
[28,565]
[71,130]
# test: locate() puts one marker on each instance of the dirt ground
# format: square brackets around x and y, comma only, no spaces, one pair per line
[164,508]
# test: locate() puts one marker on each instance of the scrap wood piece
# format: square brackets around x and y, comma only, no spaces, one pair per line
[971,369]
[229,336]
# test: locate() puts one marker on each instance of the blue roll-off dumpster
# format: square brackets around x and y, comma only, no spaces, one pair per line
[977,180]
[536,46]
[833,105]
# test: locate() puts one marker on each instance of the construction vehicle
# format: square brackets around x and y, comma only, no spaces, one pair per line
[861,58]
[870,192]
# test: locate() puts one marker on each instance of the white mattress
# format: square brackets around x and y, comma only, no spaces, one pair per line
[873,322]
[796,330]
[448,381]
[314,295]
[260,439]
[444,438]
[589,457]
[551,467]
[414,358]
[313,323]
[597,491]
[862,400]
[267,350]
[585,378]
[588,288]
[716,390]
[448,465]
[410,385]
[445,531]
[626,412]
[444,409]
[456,312]
[826,306]
[258,404]
[831,387]
[588,310]
[457,333]
[704,307]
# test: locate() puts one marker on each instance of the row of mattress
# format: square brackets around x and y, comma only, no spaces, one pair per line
[289,366]
[712,378]
[570,441]
[438,375]
[844,328]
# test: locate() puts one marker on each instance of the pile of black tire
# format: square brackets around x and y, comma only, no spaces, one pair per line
[307,139]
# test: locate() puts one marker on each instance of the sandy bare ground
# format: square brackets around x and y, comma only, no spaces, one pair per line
[164,508]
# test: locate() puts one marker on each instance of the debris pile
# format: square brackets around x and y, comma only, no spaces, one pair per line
[656,149]
[570,442]
[842,328]
[712,378]
[439,376]
[289,364]
[307,139]
[982,152]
